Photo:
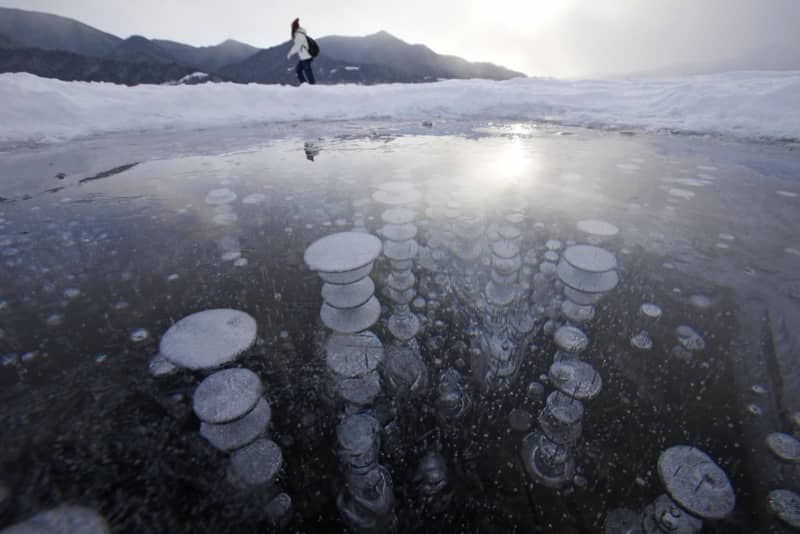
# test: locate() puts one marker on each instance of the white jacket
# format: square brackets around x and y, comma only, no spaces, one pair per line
[300,45]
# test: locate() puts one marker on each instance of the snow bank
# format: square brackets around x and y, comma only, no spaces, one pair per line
[741,104]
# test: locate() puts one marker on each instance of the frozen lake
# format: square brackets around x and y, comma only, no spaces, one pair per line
[105,243]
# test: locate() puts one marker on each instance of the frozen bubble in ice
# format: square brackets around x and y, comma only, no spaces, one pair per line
[225,219]
[758,389]
[72,293]
[792,251]
[788,194]
[700,301]
[418,304]
[535,392]
[172,277]
[795,419]
[257,463]
[121,305]
[551,256]
[398,216]
[399,232]
[727,237]
[139,335]
[54,319]
[230,256]
[681,193]
[160,366]
[722,246]
[352,320]
[548,268]
[279,510]
[571,339]
[238,433]
[623,521]
[3,304]
[681,353]
[225,208]
[590,259]
[786,505]
[696,482]
[553,244]
[784,446]
[576,312]
[358,433]
[342,252]
[650,310]
[217,197]
[754,409]
[597,228]
[241,262]
[520,420]
[588,282]
[575,378]
[28,357]
[65,519]
[642,341]
[227,395]
[9,360]
[689,338]
[360,390]
[254,198]
[208,338]
[352,355]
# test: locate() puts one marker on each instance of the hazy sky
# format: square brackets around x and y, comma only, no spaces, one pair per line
[566,38]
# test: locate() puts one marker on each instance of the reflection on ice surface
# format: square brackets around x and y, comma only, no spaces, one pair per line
[389,339]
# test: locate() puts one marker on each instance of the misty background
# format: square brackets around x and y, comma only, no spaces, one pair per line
[565,38]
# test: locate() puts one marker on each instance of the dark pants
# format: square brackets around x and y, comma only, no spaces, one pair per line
[304,73]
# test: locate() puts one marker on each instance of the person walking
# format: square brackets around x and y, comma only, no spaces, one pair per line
[301,48]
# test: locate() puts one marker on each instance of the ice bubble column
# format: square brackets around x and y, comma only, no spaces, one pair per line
[352,353]
[588,273]
[366,502]
[548,452]
[467,247]
[497,361]
[234,418]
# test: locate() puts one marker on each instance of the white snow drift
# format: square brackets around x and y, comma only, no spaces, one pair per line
[741,104]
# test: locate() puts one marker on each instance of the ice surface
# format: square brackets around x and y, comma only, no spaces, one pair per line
[741,104]
[342,252]
[209,338]
[227,395]
[238,433]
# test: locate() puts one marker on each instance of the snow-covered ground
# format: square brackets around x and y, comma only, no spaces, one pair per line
[741,104]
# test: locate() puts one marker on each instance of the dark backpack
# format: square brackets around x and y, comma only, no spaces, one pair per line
[313,47]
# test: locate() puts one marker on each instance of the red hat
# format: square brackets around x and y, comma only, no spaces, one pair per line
[295,25]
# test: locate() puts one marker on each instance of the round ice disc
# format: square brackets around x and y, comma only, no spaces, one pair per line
[208,339]
[398,216]
[597,227]
[62,520]
[238,433]
[786,505]
[357,433]
[576,378]
[345,251]
[217,197]
[505,249]
[401,250]
[571,339]
[648,309]
[350,321]
[397,198]
[350,355]
[590,259]
[257,463]
[696,482]
[784,446]
[399,232]
[585,281]
[360,390]
[348,295]
[227,395]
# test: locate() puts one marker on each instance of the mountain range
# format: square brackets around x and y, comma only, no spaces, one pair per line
[58,47]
